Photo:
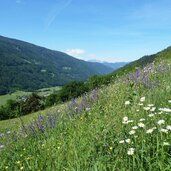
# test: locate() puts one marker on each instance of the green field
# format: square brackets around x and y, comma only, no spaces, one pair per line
[126,127]
[17,94]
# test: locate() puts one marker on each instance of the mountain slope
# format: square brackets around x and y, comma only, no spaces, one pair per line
[144,61]
[29,67]
[118,127]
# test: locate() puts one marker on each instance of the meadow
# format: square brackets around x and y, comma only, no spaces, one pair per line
[123,126]
[18,94]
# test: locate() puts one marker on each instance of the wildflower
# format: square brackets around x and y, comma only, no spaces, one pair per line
[8,132]
[154,128]
[152,109]
[125,118]
[21,168]
[142,99]
[18,162]
[131,151]
[169,101]
[151,115]
[149,131]
[130,121]
[137,110]
[87,108]
[141,125]
[140,104]
[142,119]
[6,167]
[1,146]
[132,132]
[165,143]
[135,127]
[160,112]
[121,142]
[164,130]
[146,108]
[169,127]
[160,122]
[150,105]
[127,103]
[125,122]
[128,141]
[165,109]
[111,148]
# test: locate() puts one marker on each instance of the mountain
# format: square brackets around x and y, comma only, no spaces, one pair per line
[122,126]
[115,65]
[164,55]
[28,67]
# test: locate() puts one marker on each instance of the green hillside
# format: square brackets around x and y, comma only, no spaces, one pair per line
[24,66]
[142,62]
[123,126]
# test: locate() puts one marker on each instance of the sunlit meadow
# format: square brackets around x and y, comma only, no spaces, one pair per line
[124,126]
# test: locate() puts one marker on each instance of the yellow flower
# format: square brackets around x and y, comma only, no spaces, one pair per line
[21,168]
[18,162]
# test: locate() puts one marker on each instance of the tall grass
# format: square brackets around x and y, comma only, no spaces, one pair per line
[124,126]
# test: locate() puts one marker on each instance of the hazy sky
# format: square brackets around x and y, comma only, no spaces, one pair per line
[110,30]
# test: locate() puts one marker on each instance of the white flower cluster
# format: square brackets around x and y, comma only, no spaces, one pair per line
[152,114]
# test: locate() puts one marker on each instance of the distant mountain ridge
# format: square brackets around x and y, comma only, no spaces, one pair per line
[113,65]
[26,66]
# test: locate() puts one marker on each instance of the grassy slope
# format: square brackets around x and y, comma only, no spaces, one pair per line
[90,141]
[15,124]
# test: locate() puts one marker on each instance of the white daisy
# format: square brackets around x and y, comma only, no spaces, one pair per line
[142,119]
[141,125]
[131,151]
[135,127]
[121,142]
[169,127]
[152,109]
[132,132]
[150,105]
[151,115]
[142,99]
[164,130]
[160,122]
[128,141]
[127,103]
[149,131]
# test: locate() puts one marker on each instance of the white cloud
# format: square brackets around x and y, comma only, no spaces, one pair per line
[75,52]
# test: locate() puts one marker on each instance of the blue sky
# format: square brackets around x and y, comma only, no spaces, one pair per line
[106,30]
